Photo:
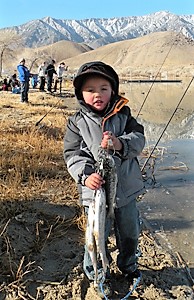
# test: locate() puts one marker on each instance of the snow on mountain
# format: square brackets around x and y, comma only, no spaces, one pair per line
[97,32]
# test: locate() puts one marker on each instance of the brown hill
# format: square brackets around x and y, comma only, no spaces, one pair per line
[34,56]
[166,54]
[160,51]
[62,50]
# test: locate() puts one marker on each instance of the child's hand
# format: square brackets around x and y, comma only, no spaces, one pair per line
[110,141]
[94,181]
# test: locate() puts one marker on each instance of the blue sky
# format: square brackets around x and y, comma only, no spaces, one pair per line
[17,12]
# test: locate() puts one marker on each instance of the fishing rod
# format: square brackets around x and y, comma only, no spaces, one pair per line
[32,63]
[61,98]
[38,122]
[145,163]
[156,76]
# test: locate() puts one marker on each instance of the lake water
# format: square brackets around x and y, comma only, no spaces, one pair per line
[159,106]
[168,205]
[167,93]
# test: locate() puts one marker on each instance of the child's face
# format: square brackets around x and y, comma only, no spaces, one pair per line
[97,92]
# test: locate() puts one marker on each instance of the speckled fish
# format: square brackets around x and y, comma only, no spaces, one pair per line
[99,226]
[95,232]
[90,239]
[101,206]
[107,169]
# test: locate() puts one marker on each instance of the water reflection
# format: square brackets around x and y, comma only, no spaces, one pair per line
[161,101]
[177,153]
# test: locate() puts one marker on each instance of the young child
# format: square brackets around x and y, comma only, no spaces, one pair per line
[104,115]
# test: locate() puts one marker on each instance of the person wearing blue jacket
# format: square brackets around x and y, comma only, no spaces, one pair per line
[24,75]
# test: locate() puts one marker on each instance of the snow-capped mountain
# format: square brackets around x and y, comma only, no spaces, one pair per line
[99,32]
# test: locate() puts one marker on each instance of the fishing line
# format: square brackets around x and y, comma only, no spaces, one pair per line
[157,75]
[167,124]
[128,294]
[102,291]
[133,288]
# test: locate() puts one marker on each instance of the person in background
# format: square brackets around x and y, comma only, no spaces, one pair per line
[92,126]
[41,75]
[60,70]
[5,85]
[50,71]
[24,77]
[13,81]
[16,89]
[34,81]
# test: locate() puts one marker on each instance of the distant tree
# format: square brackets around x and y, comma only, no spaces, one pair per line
[36,58]
[9,40]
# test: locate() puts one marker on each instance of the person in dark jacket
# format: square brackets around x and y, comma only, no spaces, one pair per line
[5,85]
[24,76]
[103,116]
[13,81]
[50,71]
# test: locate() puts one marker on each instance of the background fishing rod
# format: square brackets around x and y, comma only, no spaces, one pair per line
[156,76]
[38,122]
[145,163]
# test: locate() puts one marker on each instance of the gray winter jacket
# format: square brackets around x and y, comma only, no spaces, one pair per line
[83,138]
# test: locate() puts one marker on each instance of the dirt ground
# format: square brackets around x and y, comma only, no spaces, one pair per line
[50,263]
[42,241]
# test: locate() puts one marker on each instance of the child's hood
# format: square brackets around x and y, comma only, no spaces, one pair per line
[95,68]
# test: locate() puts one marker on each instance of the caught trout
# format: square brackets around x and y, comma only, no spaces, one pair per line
[107,169]
[100,208]
[95,233]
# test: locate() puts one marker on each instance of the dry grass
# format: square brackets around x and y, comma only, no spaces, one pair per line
[31,160]
[32,172]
